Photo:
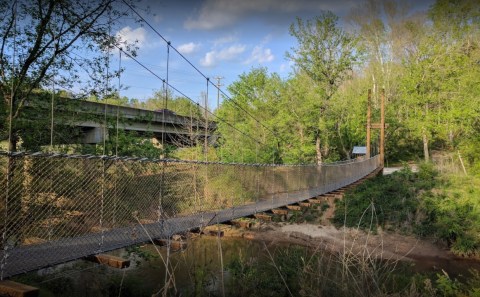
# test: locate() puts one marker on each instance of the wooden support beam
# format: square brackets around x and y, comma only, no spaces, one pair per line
[315,201]
[294,207]
[33,240]
[331,195]
[109,260]
[382,128]
[378,126]
[305,204]
[98,229]
[242,223]
[280,211]
[215,230]
[13,289]
[369,117]
[175,245]
[263,217]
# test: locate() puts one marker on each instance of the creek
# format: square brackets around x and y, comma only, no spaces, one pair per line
[197,270]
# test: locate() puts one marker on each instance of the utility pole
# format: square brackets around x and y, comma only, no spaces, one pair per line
[218,78]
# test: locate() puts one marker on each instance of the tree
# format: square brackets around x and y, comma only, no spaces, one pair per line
[327,54]
[255,96]
[178,104]
[440,84]
[47,42]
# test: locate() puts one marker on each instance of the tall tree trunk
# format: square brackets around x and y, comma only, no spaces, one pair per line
[318,150]
[425,146]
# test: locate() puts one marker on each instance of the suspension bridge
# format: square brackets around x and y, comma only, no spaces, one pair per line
[56,207]
[60,208]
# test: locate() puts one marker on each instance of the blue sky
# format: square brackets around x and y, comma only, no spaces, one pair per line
[220,37]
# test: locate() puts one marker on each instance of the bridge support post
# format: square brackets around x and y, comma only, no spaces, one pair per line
[382,129]
[369,118]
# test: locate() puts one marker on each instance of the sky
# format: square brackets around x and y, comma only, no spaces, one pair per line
[222,38]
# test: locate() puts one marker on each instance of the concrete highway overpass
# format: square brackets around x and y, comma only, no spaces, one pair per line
[89,116]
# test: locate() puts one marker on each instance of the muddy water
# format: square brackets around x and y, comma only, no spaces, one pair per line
[196,271]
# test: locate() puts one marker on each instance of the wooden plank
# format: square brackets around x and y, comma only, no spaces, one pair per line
[294,207]
[13,289]
[330,195]
[242,223]
[98,229]
[263,217]
[280,211]
[109,260]
[33,240]
[174,244]
[315,201]
[338,194]
[305,204]
[215,230]
[378,125]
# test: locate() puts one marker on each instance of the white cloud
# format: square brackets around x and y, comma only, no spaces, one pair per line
[130,36]
[213,57]
[260,55]
[220,13]
[224,40]
[188,48]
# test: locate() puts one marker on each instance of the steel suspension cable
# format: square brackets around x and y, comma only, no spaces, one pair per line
[187,97]
[194,67]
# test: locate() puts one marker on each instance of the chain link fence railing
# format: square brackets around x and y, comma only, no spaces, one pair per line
[56,208]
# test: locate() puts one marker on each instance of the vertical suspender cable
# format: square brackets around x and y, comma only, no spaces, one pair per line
[52,112]
[12,93]
[107,85]
[10,162]
[206,124]
[119,98]
[168,63]
[164,156]
[114,215]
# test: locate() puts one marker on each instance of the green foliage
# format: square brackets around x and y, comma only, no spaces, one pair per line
[452,214]
[446,286]
[50,42]
[262,276]
[137,254]
[387,201]
[167,100]
[255,93]
[422,203]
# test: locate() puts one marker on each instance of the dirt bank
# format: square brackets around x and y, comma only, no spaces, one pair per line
[384,245]
[425,254]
